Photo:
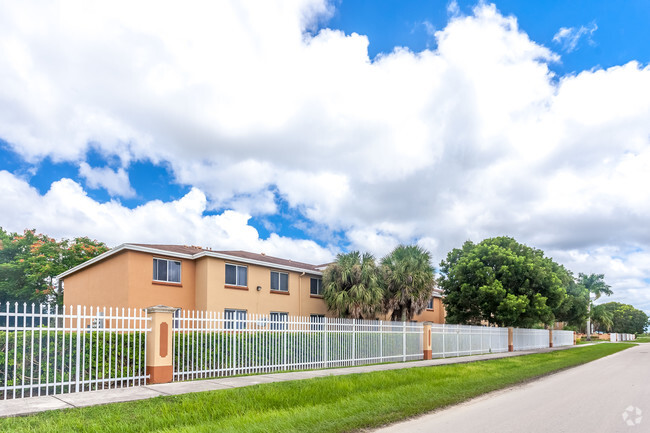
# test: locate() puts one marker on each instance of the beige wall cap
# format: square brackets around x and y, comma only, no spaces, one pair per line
[160,309]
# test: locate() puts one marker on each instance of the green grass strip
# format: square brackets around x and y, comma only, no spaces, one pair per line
[330,404]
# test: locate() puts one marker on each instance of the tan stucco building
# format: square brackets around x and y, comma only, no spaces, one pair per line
[193,278]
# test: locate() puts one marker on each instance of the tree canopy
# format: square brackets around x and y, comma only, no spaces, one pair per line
[408,280]
[502,282]
[351,286]
[625,318]
[29,263]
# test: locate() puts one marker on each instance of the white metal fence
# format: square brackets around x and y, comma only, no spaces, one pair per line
[621,337]
[562,338]
[527,339]
[460,340]
[51,350]
[212,344]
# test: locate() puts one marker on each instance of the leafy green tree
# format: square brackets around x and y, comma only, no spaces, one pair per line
[575,308]
[351,286]
[502,282]
[408,281]
[30,262]
[625,318]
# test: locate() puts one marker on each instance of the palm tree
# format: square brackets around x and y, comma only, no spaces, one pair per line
[351,286]
[594,283]
[408,281]
[602,318]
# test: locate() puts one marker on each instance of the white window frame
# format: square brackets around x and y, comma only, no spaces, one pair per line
[278,319]
[238,321]
[237,282]
[279,281]
[155,267]
[317,322]
[319,288]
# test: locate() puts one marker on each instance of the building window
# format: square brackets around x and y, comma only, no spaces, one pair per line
[176,323]
[278,320]
[316,287]
[236,275]
[234,319]
[279,281]
[167,271]
[317,320]
[430,304]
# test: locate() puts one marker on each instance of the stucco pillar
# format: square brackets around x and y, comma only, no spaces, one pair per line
[574,338]
[550,338]
[511,339]
[160,367]
[426,340]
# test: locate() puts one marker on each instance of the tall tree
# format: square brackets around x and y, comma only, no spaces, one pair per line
[408,281]
[30,262]
[594,283]
[351,286]
[502,282]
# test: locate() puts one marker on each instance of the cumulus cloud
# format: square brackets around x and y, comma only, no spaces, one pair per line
[246,102]
[67,211]
[568,37]
[115,182]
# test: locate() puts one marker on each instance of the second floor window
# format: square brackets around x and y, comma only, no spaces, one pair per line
[316,287]
[236,275]
[280,281]
[430,304]
[168,271]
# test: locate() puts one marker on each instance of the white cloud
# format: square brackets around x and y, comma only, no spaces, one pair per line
[67,211]
[476,138]
[568,37]
[116,183]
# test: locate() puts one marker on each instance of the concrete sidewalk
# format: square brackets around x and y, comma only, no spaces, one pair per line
[32,405]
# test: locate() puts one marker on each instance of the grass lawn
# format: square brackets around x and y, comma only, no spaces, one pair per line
[585,341]
[643,339]
[331,404]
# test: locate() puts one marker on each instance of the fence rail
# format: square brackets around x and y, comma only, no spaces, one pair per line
[622,337]
[461,340]
[528,339]
[212,344]
[562,338]
[51,350]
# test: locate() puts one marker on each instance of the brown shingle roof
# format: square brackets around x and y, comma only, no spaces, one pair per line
[269,259]
[192,250]
[181,249]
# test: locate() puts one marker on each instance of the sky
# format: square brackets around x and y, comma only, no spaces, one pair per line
[306,128]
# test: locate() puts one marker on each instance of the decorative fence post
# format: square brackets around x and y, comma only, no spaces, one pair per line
[511,343]
[550,338]
[160,357]
[426,340]
[574,338]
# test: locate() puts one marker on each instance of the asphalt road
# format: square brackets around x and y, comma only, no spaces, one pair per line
[591,398]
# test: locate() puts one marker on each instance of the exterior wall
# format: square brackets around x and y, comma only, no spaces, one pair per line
[437,315]
[126,280]
[211,275]
[144,292]
[102,284]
